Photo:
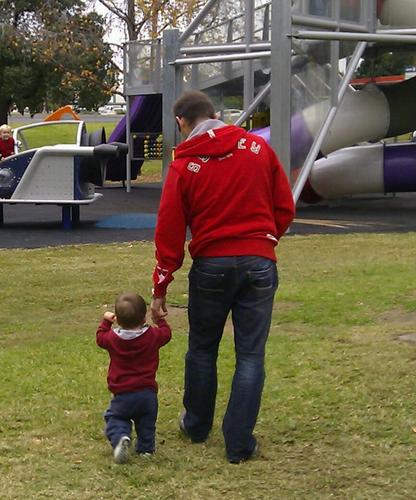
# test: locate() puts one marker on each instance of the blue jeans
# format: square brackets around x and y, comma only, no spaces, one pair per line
[244,285]
[141,408]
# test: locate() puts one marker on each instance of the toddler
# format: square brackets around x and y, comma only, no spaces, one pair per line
[133,348]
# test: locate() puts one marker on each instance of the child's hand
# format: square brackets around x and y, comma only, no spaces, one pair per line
[109,316]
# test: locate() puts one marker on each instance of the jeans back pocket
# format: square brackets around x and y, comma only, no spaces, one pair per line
[265,280]
[208,282]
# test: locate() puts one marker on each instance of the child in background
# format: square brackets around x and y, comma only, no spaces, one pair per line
[6,142]
[133,348]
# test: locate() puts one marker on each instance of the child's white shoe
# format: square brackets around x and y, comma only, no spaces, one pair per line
[121,451]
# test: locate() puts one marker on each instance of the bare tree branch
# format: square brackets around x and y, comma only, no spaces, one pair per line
[108,4]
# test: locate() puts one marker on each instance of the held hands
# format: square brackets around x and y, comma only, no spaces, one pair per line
[109,316]
[158,308]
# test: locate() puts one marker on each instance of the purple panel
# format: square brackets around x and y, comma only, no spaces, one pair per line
[262,132]
[145,116]
[399,168]
[301,139]
[119,133]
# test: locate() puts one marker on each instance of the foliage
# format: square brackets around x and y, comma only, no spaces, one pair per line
[52,53]
[384,62]
[338,412]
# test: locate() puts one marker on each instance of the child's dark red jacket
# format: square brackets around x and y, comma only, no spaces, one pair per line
[133,362]
[229,187]
[6,147]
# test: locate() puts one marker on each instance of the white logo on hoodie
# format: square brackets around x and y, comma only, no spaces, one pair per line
[193,167]
[241,144]
[255,148]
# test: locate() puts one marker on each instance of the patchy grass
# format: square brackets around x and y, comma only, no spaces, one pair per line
[338,415]
[151,171]
[91,127]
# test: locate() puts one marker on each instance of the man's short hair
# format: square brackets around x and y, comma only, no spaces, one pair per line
[193,105]
[130,309]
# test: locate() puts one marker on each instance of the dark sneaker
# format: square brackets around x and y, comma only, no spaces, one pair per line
[254,453]
[121,451]
[185,433]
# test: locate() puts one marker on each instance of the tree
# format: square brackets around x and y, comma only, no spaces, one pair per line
[379,61]
[144,19]
[52,53]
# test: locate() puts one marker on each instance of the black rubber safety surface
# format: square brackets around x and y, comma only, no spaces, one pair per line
[122,217]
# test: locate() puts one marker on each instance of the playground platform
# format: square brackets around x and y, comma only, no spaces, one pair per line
[119,216]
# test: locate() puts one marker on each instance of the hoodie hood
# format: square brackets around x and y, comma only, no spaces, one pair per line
[210,138]
[130,334]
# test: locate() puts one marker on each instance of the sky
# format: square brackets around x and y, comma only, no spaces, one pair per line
[115,33]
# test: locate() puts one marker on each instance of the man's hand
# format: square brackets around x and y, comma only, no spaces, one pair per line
[158,308]
[109,316]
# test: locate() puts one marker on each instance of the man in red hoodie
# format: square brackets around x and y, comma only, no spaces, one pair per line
[229,188]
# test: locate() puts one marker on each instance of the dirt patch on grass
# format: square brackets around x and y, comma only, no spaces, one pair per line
[408,337]
[178,320]
[284,305]
[399,316]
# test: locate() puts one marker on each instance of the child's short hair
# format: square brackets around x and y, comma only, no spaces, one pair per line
[5,128]
[130,309]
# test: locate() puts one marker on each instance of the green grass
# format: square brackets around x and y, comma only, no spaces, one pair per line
[59,133]
[151,171]
[338,415]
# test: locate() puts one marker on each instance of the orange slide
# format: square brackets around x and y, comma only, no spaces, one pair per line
[61,114]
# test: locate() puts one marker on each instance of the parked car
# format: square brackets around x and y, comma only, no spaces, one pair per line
[229,115]
[110,109]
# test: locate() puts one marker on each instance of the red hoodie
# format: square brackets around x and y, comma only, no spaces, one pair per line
[133,361]
[229,187]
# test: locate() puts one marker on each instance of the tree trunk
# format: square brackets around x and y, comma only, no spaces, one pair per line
[4,111]
[131,21]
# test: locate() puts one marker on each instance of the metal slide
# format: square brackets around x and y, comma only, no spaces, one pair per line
[367,115]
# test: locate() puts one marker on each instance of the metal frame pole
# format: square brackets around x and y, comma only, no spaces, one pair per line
[334,58]
[317,22]
[126,66]
[197,20]
[361,37]
[258,99]
[281,71]
[240,56]
[170,92]
[129,145]
[248,65]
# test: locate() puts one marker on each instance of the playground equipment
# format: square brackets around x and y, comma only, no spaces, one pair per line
[63,113]
[297,58]
[62,171]
[143,121]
